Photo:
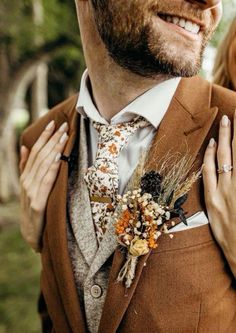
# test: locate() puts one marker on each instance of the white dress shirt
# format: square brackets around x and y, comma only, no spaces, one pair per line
[152,105]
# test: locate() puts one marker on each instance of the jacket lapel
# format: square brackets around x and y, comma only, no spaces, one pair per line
[82,223]
[183,129]
[57,235]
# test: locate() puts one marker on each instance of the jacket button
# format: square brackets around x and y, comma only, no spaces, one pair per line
[96,291]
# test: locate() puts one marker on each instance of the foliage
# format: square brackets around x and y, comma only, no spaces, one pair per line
[19,284]
[19,31]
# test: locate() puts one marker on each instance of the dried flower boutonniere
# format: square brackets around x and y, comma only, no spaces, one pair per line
[144,211]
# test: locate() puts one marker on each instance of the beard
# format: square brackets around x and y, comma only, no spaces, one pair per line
[138,43]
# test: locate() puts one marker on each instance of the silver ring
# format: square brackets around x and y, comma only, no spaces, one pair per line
[225,168]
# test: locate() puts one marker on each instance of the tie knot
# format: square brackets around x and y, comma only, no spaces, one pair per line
[109,132]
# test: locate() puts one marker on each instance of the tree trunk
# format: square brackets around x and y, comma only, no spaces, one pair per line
[9,184]
[39,96]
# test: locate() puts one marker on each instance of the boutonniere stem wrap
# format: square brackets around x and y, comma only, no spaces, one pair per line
[143,213]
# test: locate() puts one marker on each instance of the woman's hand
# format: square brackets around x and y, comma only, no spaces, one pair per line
[220,189]
[38,169]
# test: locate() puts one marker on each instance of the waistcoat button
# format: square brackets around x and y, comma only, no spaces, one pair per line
[96,291]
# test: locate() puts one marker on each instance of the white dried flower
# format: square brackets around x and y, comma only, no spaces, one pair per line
[138,224]
[157,235]
[159,221]
[167,215]
[165,229]
[137,232]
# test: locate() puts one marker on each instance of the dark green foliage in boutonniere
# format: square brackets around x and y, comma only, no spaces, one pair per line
[151,183]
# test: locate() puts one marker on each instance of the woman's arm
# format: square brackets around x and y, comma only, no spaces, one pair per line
[219,176]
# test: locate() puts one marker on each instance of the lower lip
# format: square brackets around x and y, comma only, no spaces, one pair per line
[180,30]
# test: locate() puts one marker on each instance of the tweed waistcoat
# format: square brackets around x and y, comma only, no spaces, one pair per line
[82,241]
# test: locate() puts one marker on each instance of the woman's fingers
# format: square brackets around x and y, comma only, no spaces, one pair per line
[53,145]
[47,182]
[42,140]
[24,154]
[51,163]
[224,152]
[209,170]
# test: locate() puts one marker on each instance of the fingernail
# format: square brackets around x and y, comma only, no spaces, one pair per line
[63,138]
[63,127]
[22,149]
[57,158]
[212,143]
[50,125]
[225,121]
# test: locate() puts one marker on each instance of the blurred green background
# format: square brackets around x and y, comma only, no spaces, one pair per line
[41,62]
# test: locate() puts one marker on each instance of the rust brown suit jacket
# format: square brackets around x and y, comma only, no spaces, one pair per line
[185,285]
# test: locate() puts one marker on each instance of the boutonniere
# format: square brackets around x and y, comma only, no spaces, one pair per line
[143,211]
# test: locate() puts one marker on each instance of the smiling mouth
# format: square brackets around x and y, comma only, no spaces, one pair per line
[186,24]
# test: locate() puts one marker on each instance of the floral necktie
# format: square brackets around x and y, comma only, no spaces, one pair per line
[102,177]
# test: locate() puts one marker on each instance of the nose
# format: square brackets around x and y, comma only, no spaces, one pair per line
[206,4]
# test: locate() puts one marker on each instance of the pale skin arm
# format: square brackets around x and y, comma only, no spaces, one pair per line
[220,190]
[38,170]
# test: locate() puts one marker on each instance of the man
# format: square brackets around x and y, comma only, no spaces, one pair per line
[136,52]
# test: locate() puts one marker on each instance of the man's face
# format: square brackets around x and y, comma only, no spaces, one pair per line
[152,37]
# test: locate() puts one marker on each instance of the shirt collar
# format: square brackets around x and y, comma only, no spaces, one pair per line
[152,105]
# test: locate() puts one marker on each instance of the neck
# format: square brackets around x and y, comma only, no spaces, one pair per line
[112,86]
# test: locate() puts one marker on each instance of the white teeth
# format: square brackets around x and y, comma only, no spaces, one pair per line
[182,23]
[196,28]
[187,25]
[175,20]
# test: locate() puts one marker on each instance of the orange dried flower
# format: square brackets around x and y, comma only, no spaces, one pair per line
[152,243]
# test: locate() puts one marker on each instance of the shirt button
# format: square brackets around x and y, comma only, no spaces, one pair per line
[96,291]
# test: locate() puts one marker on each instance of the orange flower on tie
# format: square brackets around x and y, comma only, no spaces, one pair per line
[103,169]
[113,149]
[117,133]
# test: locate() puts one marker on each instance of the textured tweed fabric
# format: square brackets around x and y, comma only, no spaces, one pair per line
[82,242]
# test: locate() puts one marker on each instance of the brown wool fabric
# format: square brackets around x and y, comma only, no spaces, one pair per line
[184,285]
